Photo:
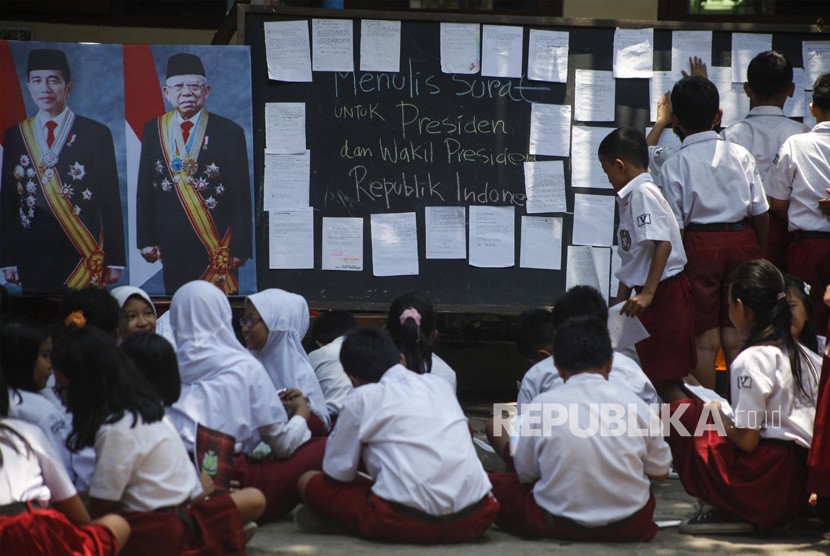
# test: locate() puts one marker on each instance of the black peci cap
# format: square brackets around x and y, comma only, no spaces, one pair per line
[184,64]
[48,59]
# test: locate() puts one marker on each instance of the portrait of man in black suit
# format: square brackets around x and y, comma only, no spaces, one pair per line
[193,201]
[59,194]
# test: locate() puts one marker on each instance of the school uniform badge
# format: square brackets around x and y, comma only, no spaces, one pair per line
[625,240]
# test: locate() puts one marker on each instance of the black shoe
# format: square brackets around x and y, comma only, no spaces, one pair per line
[714,521]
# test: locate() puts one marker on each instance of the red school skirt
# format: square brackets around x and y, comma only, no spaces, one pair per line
[370,517]
[819,459]
[765,487]
[208,526]
[48,531]
[521,514]
[277,478]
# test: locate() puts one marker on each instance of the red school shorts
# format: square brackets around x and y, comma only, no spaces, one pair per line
[277,478]
[370,517]
[765,487]
[50,532]
[712,258]
[669,352]
[778,241]
[809,259]
[521,514]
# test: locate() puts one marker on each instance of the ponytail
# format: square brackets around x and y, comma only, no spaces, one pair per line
[761,288]
[411,323]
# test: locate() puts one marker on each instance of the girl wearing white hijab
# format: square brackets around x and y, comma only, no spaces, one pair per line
[224,388]
[274,325]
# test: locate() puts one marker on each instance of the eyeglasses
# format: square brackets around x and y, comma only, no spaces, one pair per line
[179,87]
[249,321]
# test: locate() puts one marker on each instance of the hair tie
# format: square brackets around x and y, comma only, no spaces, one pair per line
[782,295]
[807,289]
[411,313]
[75,319]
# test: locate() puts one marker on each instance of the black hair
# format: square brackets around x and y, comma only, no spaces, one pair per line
[5,430]
[20,341]
[580,301]
[808,335]
[581,344]
[367,353]
[769,74]
[533,331]
[330,325]
[103,385]
[99,308]
[155,359]
[4,301]
[761,288]
[695,102]
[821,92]
[413,340]
[627,144]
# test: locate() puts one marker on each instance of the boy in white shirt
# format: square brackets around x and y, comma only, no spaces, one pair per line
[799,189]
[571,484]
[428,485]
[769,82]
[716,194]
[652,261]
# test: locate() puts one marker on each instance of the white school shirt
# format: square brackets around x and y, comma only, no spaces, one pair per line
[593,479]
[764,394]
[35,475]
[625,372]
[645,217]
[330,374]
[762,133]
[143,467]
[712,181]
[442,369]
[414,440]
[800,175]
[657,156]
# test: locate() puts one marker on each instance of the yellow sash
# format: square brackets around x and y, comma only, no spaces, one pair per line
[218,271]
[91,266]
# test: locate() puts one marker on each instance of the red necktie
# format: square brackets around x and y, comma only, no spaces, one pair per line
[186,127]
[50,135]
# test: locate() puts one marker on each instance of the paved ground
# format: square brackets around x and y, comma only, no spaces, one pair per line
[805,537]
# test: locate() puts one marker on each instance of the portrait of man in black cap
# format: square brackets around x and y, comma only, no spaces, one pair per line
[193,203]
[59,195]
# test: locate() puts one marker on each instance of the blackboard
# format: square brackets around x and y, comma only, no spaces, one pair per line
[368,110]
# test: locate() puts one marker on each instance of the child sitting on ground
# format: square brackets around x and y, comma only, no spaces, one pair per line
[328,332]
[408,430]
[578,486]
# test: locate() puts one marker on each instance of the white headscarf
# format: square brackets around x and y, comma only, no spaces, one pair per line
[223,386]
[285,315]
[123,293]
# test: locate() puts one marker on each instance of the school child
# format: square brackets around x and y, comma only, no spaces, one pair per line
[226,389]
[91,306]
[769,82]
[797,185]
[427,486]
[328,332]
[750,472]
[534,334]
[411,323]
[804,322]
[143,471]
[40,508]
[818,481]
[717,197]
[155,359]
[274,325]
[652,262]
[137,311]
[574,486]
[25,357]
